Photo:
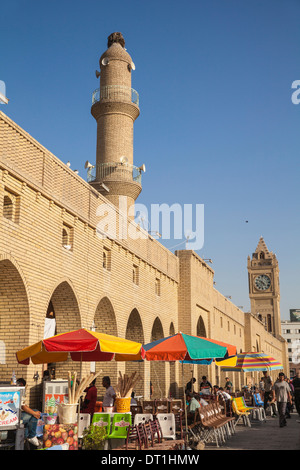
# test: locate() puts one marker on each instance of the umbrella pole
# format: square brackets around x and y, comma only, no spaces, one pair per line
[185,410]
[79,401]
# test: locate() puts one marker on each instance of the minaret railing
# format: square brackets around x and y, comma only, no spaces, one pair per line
[116,93]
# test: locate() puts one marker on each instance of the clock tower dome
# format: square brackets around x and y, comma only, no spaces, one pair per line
[264,293]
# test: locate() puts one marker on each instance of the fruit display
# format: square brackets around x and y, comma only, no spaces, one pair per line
[57,434]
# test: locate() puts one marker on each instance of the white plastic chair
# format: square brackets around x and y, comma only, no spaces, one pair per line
[84,422]
[167,424]
[142,418]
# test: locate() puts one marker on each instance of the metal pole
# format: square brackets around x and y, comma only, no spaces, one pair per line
[185,410]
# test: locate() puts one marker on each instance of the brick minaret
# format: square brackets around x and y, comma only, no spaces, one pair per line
[115,108]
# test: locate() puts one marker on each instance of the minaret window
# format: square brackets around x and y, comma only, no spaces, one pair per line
[135,275]
[8,208]
[67,237]
[106,259]
[157,287]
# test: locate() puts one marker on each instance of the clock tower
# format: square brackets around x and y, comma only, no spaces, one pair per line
[264,293]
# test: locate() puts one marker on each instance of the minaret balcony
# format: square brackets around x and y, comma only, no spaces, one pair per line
[117,93]
[114,171]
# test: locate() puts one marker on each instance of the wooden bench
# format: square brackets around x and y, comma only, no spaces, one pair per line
[212,425]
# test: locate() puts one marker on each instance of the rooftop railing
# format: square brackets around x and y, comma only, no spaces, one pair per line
[116,93]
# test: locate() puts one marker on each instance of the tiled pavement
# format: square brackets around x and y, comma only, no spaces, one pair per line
[264,436]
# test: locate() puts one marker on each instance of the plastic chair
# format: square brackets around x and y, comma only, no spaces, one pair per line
[84,422]
[167,424]
[142,418]
[240,414]
[256,411]
[120,424]
[102,420]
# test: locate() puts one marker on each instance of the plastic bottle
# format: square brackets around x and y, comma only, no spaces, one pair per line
[13,378]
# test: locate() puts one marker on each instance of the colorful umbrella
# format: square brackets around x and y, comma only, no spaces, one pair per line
[82,345]
[186,348]
[230,356]
[254,361]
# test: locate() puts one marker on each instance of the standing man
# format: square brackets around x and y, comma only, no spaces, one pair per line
[189,388]
[282,392]
[109,397]
[228,385]
[90,399]
[205,386]
[268,384]
[296,384]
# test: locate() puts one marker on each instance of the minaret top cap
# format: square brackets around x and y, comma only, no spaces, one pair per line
[116,49]
[116,37]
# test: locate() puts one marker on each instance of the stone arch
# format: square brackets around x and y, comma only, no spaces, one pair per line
[67,318]
[157,368]
[105,322]
[135,332]
[14,313]
[201,330]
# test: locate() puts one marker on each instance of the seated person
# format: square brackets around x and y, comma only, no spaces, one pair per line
[29,417]
[192,407]
[200,399]
[133,401]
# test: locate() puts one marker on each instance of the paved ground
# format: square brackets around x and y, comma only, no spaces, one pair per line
[264,436]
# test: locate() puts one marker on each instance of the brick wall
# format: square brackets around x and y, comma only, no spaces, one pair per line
[35,268]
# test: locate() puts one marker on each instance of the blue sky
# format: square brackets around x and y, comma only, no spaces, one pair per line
[217,124]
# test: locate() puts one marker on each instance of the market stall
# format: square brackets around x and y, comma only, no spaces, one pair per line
[83,346]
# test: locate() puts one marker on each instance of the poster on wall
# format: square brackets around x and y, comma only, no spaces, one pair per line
[9,408]
[52,400]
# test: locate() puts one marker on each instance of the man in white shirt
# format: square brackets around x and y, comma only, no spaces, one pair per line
[110,395]
[220,392]
[29,417]
[282,393]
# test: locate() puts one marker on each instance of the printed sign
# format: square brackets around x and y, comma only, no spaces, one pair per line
[9,408]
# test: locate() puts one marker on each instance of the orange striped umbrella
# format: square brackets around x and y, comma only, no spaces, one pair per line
[254,361]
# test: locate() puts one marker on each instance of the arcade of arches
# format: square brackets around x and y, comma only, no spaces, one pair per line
[64,311]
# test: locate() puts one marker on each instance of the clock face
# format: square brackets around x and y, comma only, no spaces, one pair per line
[262,282]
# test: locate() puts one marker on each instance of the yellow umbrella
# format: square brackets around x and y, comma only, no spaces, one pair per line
[82,345]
